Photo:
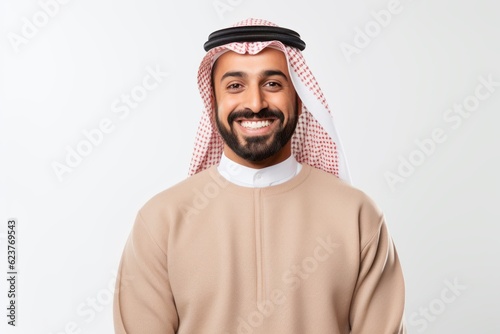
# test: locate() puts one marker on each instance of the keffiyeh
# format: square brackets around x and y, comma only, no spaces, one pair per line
[315,141]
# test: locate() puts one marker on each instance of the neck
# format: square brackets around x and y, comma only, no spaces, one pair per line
[281,156]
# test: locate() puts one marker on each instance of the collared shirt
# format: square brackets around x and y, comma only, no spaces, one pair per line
[258,178]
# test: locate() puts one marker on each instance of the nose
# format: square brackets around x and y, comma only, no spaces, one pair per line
[255,99]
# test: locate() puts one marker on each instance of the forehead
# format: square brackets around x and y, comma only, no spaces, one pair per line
[267,59]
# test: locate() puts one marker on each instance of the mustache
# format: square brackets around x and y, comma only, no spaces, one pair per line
[248,114]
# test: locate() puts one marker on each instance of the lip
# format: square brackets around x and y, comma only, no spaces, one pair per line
[256,132]
[240,119]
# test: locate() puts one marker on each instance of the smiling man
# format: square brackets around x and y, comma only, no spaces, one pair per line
[266,235]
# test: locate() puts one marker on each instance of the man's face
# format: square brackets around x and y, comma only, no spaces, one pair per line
[256,104]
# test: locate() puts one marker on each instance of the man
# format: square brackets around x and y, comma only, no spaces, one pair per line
[266,235]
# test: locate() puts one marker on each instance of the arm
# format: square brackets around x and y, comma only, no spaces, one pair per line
[143,301]
[378,301]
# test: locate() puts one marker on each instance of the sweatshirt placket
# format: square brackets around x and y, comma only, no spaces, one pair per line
[260,284]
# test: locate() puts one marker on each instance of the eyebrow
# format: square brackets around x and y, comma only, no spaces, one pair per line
[237,74]
[240,74]
[270,73]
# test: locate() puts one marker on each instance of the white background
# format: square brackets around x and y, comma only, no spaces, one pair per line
[65,78]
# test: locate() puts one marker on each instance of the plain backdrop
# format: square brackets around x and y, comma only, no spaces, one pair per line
[66,73]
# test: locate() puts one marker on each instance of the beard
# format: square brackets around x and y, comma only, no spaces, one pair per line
[258,148]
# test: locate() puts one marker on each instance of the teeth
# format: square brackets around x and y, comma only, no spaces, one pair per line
[255,124]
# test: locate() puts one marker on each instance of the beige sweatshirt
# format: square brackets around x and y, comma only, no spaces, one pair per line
[309,256]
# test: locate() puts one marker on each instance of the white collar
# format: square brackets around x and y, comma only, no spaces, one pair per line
[258,178]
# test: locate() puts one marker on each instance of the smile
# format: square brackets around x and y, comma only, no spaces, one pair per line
[256,124]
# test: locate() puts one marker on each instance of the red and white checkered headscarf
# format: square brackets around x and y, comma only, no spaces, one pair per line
[315,141]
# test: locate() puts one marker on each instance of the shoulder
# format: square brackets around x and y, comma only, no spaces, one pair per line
[351,202]
[329,185]
[348,201]
[170,201]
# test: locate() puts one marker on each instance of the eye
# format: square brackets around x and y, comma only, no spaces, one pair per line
[273,85]
[234,86]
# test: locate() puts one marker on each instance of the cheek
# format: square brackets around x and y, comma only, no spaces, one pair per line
[286,104]
[225,106]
